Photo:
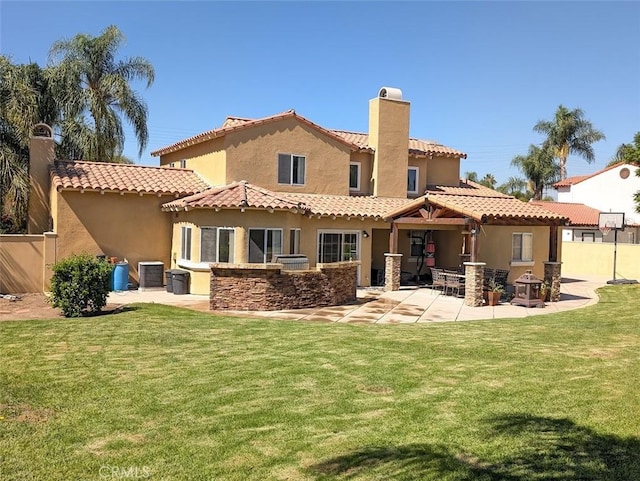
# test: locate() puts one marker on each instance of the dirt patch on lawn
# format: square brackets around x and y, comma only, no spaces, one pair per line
[35,306]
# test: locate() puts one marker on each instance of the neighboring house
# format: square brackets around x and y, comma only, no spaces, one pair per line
[583,220]
[255,188]
[611,189]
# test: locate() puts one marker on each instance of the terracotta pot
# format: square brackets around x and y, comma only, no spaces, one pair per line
[493,298]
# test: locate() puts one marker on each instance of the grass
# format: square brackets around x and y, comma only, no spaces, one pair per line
[169,394]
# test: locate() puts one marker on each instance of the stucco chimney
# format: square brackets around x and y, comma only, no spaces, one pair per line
[389,136]
[41,155]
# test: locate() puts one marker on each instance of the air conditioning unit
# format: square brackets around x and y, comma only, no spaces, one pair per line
[151,275]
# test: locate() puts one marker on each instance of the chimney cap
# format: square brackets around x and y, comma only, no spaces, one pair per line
[42,130]
[390,93]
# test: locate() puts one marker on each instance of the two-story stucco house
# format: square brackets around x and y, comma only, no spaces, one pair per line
[255,188]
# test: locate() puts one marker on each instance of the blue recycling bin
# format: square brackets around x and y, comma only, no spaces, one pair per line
[120,277]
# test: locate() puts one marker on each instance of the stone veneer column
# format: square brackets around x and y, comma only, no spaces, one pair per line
[392,271]
[474,280]
[552,276]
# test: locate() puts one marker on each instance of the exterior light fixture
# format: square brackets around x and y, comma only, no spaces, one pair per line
[365,234]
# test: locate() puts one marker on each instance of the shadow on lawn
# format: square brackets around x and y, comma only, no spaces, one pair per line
[551,450]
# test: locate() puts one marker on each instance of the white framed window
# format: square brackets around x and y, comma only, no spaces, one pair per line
[264,244]
[354,176]
[217,244]
[522,247]
[294,241]
[338,246]
[183,164]
[412,180]
[172,164]
[291,169]
[185,243]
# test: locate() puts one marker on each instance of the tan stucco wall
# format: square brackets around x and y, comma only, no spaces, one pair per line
[365,160]
[495,249]
[243,221]
[442,171]
[252,155]
[389,136]
[125,226]
[25,262]
[600,260]
[208,159]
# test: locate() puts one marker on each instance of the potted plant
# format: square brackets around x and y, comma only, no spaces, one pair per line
[494,293]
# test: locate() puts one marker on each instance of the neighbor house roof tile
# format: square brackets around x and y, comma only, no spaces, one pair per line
[112,177]
[576,179]
[578,214]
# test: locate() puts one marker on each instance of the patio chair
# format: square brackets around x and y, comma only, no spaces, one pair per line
[454,283]
[489,276]
[439,281]
[501,276]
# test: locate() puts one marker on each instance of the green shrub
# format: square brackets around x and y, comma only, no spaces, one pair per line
[80,285]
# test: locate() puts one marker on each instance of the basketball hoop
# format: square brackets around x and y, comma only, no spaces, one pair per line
[605,229]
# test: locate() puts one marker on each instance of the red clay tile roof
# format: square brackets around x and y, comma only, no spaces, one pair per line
[111,177]
[578,214]
[416,146]
[245,195]
[236,195]
[576,179]
[233,124]
[480,203]
[354,140]
[365,206]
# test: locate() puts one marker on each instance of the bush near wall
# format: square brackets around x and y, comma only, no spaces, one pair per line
[80,285]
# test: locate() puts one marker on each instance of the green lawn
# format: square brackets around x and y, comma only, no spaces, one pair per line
[169,394]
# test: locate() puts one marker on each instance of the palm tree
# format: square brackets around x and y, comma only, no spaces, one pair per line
[569,133]
[472,176]
[25,100]
[628,153]
[489,181]
[539,168]
[517,187]
[95,92]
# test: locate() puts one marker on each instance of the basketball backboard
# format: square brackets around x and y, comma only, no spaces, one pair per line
[611,220]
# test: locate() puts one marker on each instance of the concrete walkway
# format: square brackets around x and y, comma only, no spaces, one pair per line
[408,305]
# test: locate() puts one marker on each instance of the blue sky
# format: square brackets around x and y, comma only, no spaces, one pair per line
[478,75]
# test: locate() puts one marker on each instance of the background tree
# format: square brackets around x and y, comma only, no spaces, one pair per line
[472,176]
[25,100]
[539,167]
[628,153]
[489,181]
[95,92]
[517,187]
[569,133]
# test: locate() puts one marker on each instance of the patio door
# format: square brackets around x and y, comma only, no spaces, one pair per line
[339,246]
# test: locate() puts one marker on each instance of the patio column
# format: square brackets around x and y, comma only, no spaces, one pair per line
[474,279]
[552,276]
[392,271]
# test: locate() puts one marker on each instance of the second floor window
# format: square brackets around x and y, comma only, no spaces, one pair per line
[412,180]
[291,169]
[354,176]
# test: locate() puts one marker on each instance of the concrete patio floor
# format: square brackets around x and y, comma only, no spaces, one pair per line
[408,305]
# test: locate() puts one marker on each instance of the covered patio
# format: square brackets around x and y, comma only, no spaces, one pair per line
[484,222]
